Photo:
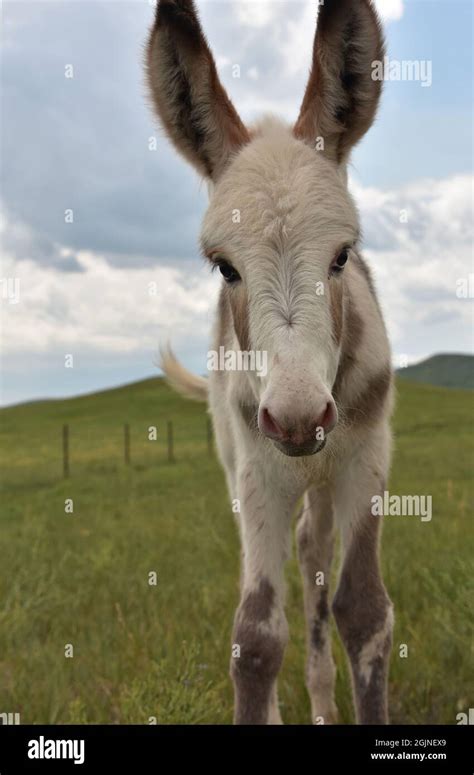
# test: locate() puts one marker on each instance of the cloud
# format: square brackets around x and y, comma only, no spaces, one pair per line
[117,310]
[21,241]
[256,13]
[289,27]
[390,10]
[417,238]
[104,308]
[90,144]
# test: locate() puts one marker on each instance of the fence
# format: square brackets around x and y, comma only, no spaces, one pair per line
[127,446]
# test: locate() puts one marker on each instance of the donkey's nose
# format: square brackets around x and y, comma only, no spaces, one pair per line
[304,433]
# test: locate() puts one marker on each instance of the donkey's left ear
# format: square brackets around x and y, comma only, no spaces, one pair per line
[341,97]
[193,106]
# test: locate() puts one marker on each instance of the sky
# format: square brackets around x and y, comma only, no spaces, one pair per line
[100,218]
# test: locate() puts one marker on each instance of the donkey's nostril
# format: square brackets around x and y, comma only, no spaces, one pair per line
[268,425]
[328,418]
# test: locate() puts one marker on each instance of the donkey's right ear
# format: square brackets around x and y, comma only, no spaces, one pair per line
[192,104]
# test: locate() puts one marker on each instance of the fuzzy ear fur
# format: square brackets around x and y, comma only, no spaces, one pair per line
[341,97]
[194,108]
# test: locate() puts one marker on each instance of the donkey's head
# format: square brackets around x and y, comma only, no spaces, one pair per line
[281,225]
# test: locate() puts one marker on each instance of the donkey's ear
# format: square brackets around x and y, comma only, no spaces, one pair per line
[341,97]
[193,106]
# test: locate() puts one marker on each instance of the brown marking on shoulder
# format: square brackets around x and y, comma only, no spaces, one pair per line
[367,406]
[352,337]
[364,269]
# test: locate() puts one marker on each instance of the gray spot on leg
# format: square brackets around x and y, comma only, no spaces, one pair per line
[261,655]
[319,629]
[258,604]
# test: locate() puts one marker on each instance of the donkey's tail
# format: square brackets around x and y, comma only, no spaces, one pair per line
[183,381]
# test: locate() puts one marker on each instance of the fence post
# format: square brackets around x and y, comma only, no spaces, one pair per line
[126,443]
[170,443]
[66,451]
[209,436]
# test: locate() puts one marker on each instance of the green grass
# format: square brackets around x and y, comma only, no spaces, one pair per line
[162,651]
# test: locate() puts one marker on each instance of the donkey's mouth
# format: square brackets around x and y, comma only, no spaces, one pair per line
[311,447]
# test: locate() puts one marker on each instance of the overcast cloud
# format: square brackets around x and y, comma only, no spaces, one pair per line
[126,272]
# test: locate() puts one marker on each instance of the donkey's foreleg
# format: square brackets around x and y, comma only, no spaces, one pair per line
[361,606]
[260,628]
[315,541]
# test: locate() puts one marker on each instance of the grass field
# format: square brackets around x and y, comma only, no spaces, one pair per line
[162,651]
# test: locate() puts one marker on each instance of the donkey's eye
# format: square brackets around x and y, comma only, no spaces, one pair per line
[340,260]
[228,272]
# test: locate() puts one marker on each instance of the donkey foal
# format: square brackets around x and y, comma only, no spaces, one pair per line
[295,287]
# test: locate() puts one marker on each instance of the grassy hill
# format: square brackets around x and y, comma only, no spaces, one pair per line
[444,370]
[162,651]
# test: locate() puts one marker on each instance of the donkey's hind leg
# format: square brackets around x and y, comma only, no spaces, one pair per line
[315,540]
